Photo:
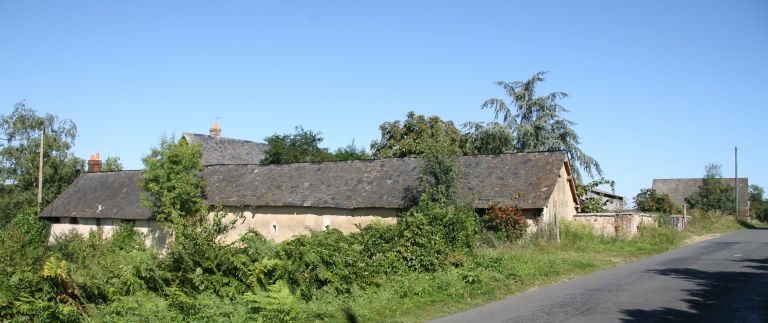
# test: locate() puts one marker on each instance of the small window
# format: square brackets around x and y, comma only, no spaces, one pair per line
[273,228]
[326,224]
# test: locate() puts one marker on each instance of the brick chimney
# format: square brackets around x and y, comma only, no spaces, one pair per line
[215,131]
[94,164]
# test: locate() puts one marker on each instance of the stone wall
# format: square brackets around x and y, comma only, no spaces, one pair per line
[624,224]
[154,235]
[280,223]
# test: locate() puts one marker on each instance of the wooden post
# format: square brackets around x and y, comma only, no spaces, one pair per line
[40,172]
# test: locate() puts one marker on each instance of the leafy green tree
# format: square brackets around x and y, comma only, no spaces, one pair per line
[415,136]
[20,153]
[537,124]
[112,164]
[172,179]
[758,205]
[756,193]
[593,204]
[487,139]
[351,152]
[299,147]
[713,194]
[649,200]
[438,142]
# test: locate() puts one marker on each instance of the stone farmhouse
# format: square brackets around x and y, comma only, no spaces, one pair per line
[281,201]
[681,188]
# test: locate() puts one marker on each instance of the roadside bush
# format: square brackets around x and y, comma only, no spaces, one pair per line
[22,286]
[505,219]
[322,262]
[649,200]
[434,234]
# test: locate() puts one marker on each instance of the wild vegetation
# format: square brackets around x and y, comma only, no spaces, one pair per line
[714,194]
[303,146]
[20,133]
[435,261]
[440,256]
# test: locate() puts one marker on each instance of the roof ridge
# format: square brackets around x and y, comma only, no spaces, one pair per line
[221,138]
[383,159]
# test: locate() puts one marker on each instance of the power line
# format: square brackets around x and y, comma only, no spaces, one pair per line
[719,152]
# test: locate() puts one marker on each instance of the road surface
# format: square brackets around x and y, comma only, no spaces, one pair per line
[719,280]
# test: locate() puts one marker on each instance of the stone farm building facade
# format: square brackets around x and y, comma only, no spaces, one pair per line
[283,200]
[681,188]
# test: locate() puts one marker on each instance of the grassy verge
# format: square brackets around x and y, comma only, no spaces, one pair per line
[498,271]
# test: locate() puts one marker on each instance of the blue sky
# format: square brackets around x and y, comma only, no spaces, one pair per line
[658,88]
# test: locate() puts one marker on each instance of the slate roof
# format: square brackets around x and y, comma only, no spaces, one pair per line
[112,195]
[600,192]
[382,183]
[221,150]
[680,188]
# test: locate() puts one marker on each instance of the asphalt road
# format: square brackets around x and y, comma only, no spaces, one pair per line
[718,280]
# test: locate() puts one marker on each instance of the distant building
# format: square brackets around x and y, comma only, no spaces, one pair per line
[612,201]
[681,188]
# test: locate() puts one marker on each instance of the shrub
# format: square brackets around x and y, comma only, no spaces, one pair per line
[321,262]
[713,194]
[433,234]
[649,200]
[505,219]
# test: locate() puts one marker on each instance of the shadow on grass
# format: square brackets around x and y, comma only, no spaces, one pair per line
[719,296]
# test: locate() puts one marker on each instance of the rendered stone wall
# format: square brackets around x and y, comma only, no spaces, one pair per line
[154,235]
[283,223]
[611,224]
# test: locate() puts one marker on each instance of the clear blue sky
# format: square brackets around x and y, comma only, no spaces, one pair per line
[658,88]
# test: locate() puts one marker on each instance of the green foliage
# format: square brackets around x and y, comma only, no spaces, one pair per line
[649,200]
[713,194]
[22,253]
[505,219]
[537,125]
[172,179]
[416,136]
[299,147]
[19,158]
[758,205]
[276,304]
[141,307]
[112,164]
[321,262]
[434,234]
[487,139]
[198,261]
[593,204]
[351,152]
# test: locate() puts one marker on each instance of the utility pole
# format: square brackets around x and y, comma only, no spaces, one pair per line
[40,172]
[736,177]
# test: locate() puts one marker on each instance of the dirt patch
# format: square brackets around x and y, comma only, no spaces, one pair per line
[696,239]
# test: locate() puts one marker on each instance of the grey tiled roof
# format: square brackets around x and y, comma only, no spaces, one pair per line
[382,183]
[113,195]
[220,151]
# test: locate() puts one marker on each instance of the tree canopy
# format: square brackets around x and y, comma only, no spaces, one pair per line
[20,153]
[299,147]
[649,200]
[172,179]
[112,164]
[713,194]
[415,136]
[536,123]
